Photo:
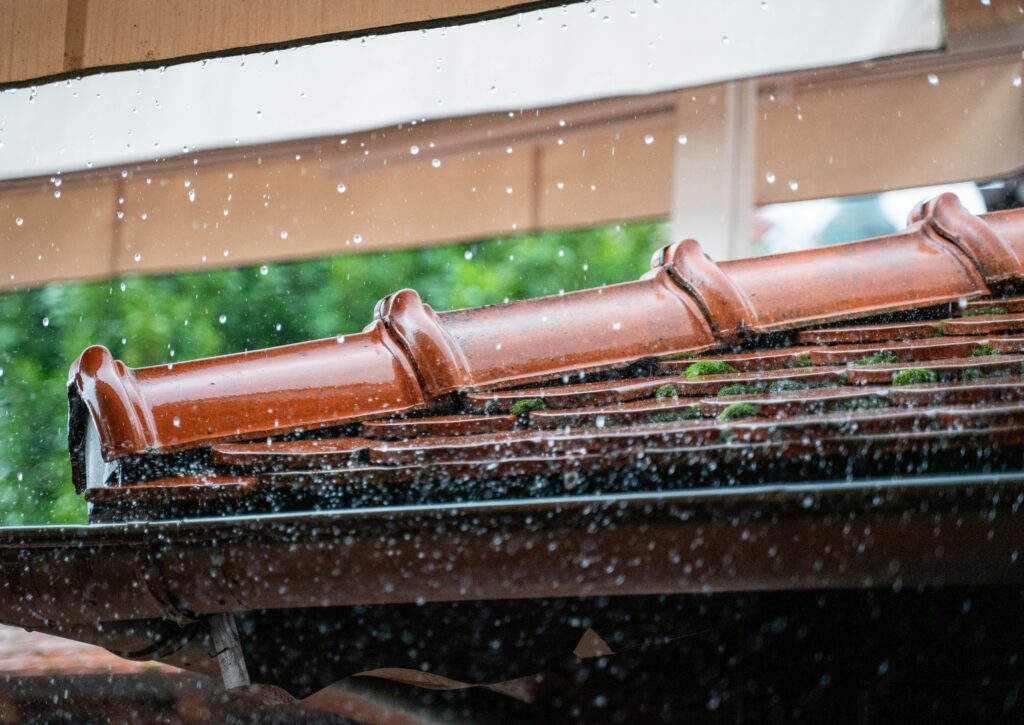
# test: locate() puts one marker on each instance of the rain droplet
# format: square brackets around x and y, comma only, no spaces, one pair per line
[770,177]
[648,139]
[341,188]
[191,194]
[681,139]
[264,269]
[176,422]
[616,326]
[468,254]
[46,322]
[340,339]
[933,79]
[357,238]
[436,163]
[793,185]
[19,221]
[1016,81]
[138,256]
[284,234]
[508,189]
[222,319]
[725,40]
[414,149]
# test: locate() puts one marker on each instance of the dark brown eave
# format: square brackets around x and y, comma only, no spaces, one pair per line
[962,529]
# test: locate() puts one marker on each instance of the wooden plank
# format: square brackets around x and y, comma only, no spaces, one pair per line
[126,32]
[31,38]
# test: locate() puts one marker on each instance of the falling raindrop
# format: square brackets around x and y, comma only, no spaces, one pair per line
[648,139]
[264,269]
[468,254]
[284,234]
[933,79]
[793,185]
[357,238]
[414,149]
[176,422]
[222,319]
[138,256]
[681,139]
[46,322]
[341,188]
[19,221]
[1016,81]
[770,177]
[436,163]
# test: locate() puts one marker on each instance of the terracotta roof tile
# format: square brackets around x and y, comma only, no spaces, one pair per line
[735,366]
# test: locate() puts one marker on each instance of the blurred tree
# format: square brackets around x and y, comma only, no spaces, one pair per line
[147,320]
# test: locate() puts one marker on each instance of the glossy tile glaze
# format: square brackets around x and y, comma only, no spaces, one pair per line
[410,357]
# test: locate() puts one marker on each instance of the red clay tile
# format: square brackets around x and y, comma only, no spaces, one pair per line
[441,425]
[948,369]
[871,333]
[711,384]
[648,410]
[792,357]
[801,402]
[570,396]
[291,454]
[984,324]
[903,351]
[1010,304]
[991,391]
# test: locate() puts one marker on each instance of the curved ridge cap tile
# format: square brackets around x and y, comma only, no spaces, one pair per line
[994,257]
[110,392]
[856,279]
[437,358]
[726,307]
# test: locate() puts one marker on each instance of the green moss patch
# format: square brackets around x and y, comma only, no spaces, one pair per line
[739,389]
[526,405]
[709,367]
[845,406]
[783,386]
[679,356]
[978,311]
[879,358]
[914,376]
[803,360]
[691,412]
[736,411]
[666,391]
[983,349]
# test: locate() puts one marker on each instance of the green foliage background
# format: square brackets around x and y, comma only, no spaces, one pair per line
[147,320]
